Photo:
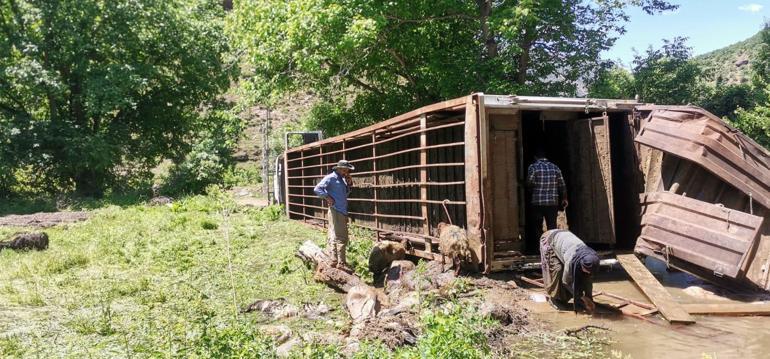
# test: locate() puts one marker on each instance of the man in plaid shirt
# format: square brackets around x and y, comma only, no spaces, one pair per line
[547,184]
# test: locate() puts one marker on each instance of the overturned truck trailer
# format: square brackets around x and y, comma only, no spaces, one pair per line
[625,181]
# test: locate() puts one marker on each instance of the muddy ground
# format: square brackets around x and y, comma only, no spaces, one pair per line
[43,219]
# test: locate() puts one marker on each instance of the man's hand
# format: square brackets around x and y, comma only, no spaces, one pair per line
[329,200]
[349,180]
[589,304]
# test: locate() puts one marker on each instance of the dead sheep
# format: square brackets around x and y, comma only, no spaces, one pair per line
[26,241]
[384,253]
[453,243]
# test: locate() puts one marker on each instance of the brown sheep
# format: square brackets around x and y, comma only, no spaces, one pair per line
[383,253]
[453,243]
[26,241]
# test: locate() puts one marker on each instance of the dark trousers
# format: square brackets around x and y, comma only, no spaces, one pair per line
[535,226]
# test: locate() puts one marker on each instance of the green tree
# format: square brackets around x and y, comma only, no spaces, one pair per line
[756,122]
[93,91]
[368,60]
[615,82]
[666,75]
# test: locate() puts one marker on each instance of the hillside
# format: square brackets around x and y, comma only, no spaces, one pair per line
[731,64]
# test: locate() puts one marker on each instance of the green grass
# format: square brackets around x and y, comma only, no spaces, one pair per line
[158,281]
[136,281]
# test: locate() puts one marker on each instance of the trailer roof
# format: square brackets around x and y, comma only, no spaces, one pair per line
[491,101]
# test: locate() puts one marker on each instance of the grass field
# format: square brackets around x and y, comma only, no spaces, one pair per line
[168,281]
[155,281]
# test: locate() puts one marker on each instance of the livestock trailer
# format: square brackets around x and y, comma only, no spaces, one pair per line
[633,171]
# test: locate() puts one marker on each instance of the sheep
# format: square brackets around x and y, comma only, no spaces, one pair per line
[453,243]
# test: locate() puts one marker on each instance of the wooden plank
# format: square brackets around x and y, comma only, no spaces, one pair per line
[472,180]
[729,309]
[658,295]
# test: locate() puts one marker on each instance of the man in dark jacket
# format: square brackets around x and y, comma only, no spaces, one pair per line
[568,266]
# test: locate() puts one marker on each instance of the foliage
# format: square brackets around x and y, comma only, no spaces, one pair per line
[724,100]
[370,60]
[95,91]
[453,333]
[615,82]
[755,122]
[666,75]
[209,159]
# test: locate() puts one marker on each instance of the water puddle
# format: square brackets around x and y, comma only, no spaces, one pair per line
[711,336]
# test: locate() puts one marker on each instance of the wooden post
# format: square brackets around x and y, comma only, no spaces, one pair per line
[485,184]
[424,179]
[472,180]
[266,156]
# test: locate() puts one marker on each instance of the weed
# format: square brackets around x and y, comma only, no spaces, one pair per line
[11,347]
[209,225]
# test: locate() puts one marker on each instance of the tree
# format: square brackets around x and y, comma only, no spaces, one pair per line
[615,82]
[666,75]
[368,60]
[93,91]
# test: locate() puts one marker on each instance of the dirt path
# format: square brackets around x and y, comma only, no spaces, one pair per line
[43,219]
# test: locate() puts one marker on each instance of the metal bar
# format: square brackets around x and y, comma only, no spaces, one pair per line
[395,233]
[307,215]
[405,200]
[387,216]
[376,181]
[311,206]
[406,184]
[457,103]
[453,144]
[424,178]
[422,130]
[411,167]
[383,141]
[303,195]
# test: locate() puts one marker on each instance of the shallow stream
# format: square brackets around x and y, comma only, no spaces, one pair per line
[710,337]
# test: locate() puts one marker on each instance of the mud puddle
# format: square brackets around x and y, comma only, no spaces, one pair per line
[710,336]
[43,219]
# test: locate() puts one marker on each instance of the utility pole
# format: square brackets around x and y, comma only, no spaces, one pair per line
[266,156]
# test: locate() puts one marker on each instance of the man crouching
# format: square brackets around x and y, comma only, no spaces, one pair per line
[334,189]
[568,266]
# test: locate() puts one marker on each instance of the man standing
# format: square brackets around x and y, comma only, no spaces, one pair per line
[334,189]
[547,184]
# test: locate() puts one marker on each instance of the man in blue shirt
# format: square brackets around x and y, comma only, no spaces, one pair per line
[334,189]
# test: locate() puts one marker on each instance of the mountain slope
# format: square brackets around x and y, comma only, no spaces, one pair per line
[731,64]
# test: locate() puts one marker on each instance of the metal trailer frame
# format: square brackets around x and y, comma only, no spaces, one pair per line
[413,162]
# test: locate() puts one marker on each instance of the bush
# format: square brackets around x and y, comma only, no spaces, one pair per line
[209,158]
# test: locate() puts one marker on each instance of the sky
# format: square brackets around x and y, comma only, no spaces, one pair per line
[708,25]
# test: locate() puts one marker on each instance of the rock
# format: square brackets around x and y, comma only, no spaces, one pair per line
[362,302]
[161,201]
[241,157]
[279,333]
[315,311]
[285,349]
[276,309]
[26,241]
